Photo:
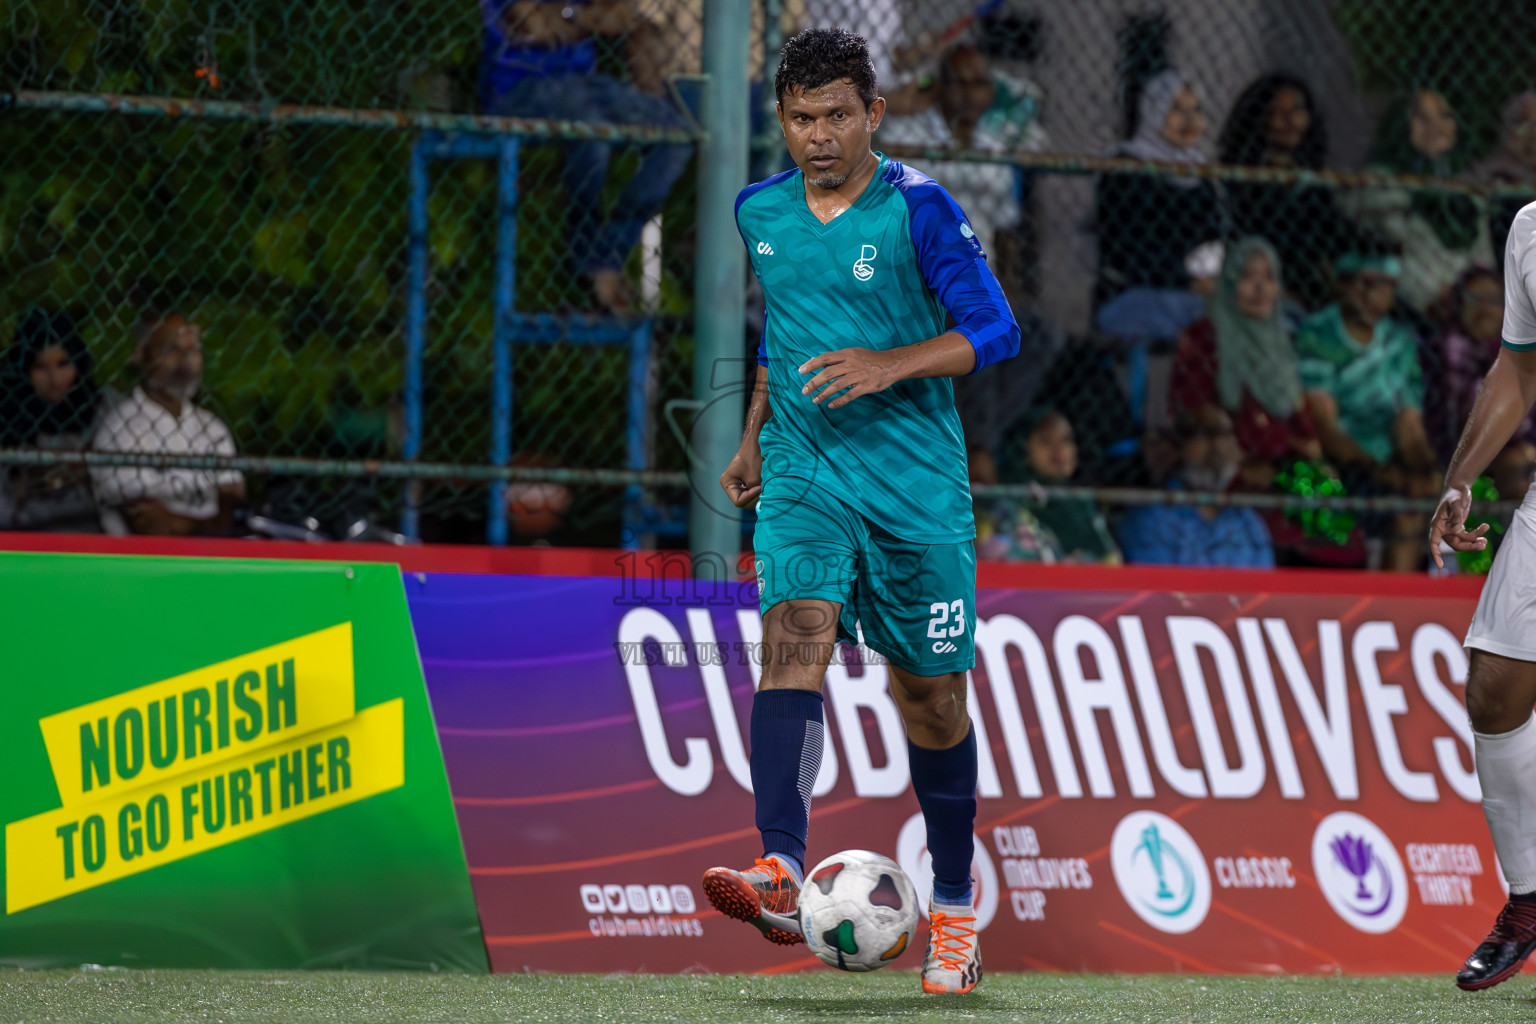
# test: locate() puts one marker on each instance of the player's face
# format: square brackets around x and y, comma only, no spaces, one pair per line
[1482,308]
[52,374]
[1289,120]
[1257,290]
[828,130]
[1185,124]
[1053,449]
[1432,128]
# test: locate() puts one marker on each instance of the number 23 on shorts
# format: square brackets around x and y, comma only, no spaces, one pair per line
[948,619]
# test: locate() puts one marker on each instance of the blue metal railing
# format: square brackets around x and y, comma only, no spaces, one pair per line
[510,328]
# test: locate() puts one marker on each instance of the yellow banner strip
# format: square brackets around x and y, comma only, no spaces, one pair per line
[212,714]
[74,848]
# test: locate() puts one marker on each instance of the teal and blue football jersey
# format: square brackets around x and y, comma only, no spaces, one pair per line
[882,274]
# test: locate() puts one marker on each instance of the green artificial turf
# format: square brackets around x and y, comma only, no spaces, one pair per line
[233,996]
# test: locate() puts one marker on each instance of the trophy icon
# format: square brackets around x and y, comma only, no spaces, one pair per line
[1354,854]
[1152,842]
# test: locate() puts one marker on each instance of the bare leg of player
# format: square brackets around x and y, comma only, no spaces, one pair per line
[1500,694]
[788,729]
[941,752]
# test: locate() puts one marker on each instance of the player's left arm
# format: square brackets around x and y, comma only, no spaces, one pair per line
[955,268]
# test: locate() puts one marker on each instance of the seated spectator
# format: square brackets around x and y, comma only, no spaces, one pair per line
[1044,529]
[1006,529]
[1365,390]
[1148,224]
[48,401]
[1276,123]
[540,61]
[160,418]
[1441,234]
[1512,163]
[1146,323]
[1240,357]
[1208,535]
[1458,357]
[952,114]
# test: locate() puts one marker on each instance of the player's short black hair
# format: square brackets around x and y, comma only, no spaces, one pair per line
[819,56]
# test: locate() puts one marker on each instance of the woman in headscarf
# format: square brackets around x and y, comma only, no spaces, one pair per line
[47,400]
[1276,123]
[1148,224]
[1240,357]
[1441,234]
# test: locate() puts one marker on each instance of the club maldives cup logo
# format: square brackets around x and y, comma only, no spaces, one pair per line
[1161,872]
[1359,871]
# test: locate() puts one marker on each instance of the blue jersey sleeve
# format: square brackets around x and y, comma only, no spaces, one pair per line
[954,266]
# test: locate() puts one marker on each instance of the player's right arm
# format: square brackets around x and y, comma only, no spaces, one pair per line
[1507,395]
[743,478]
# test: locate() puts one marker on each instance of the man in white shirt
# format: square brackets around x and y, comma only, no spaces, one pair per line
[159,417]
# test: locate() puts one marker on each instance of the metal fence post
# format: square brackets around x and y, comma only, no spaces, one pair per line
[506,285]
[415,323]
[714,525]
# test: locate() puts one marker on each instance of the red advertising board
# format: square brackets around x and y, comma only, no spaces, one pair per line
[1181,770]
[1191,772]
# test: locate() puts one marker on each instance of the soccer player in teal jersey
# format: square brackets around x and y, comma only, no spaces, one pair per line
[854,455]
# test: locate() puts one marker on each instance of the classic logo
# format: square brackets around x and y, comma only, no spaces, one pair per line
[764,249]
[210,757]
[1359,871]
[1161,872]
[861,268]
[944,647]
[913,856]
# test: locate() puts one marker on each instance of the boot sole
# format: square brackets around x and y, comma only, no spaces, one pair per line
[734,897]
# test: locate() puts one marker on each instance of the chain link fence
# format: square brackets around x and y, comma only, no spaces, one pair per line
[460,235]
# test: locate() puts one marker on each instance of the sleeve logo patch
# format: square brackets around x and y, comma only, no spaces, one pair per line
[965,229]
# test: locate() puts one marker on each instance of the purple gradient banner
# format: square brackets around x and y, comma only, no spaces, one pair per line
[1170,779]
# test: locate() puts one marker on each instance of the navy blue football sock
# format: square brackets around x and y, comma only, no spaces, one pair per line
[787,731]
[945,783]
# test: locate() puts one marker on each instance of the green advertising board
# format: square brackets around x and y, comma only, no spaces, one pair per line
[222,763]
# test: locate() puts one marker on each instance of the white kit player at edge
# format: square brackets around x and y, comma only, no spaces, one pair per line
[1501,679]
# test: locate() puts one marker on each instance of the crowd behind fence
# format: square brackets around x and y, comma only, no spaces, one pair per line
[388,268]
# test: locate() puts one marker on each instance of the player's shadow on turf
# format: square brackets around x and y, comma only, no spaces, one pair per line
[862,1007]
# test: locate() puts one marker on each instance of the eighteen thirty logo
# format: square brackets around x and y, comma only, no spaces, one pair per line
[210,757]
[1359,871]
[1160,871]
[861,268]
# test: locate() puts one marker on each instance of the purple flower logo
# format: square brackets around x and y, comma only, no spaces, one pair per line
[1354,855]
[1359,871]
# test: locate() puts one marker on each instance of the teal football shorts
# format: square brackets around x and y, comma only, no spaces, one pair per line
[913,602]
